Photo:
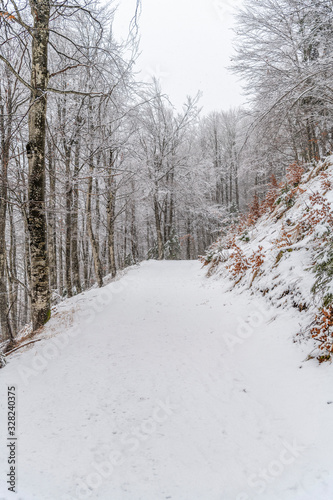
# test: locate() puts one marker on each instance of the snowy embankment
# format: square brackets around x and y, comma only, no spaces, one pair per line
[164,385]
[283,250]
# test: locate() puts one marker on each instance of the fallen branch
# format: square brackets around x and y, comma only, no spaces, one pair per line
[23,345]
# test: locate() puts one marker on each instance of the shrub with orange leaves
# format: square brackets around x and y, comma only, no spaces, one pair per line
[323,329]
[326,184]
[242,224]
[294,174]
[320,212]
[271,196]
[257,259]
[239,263]
[285,238]
[254,211]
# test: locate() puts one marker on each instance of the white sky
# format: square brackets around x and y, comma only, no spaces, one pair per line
[187,44]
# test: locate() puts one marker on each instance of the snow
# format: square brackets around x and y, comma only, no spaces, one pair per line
[167,385]
[286,277]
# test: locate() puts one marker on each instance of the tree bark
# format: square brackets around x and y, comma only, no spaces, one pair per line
[158,229]
[5,130]
[134,234]
[12,274]
[188,239]
[110,212]
[40,290]
[52,228]
[68,242]
[75,231]
[93,241]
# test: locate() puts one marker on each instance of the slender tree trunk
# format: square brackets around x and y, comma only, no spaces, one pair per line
[5,145]
[26,307]
[52,228]
[230,183]
[93,241]
[236,182]
[68,222]
[85,253]
[110,213]
[125,239]
[75,230]
[40,291]
[97,213]
[134,235]
[171,206]
[188,240]
[60,260]
[13,295]
[158,229]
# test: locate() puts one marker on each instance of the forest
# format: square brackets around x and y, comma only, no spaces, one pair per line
[99,171]
[166,261]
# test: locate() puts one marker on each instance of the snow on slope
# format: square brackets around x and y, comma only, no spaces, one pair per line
[292,236]
[165,385]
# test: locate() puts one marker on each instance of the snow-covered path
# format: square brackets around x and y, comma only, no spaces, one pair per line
[166,386]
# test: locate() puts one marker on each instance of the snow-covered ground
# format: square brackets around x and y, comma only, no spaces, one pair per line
[165,385]
[286,255]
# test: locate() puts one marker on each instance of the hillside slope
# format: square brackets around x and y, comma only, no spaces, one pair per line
[283,250]
[165,385]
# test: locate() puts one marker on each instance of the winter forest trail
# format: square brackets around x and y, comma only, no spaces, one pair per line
[174,388]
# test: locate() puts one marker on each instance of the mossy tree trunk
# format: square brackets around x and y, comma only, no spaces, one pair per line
[40,290]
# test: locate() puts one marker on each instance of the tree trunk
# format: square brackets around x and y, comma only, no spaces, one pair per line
[85,253]
[158,229]
[68,242]
[40,291]
[134,235]
[75,231]
[60,260]
[110,212]
[236,182]
[93,241]
[27,265]
[52,228]
[12,273]
[5,145]
[188,239]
